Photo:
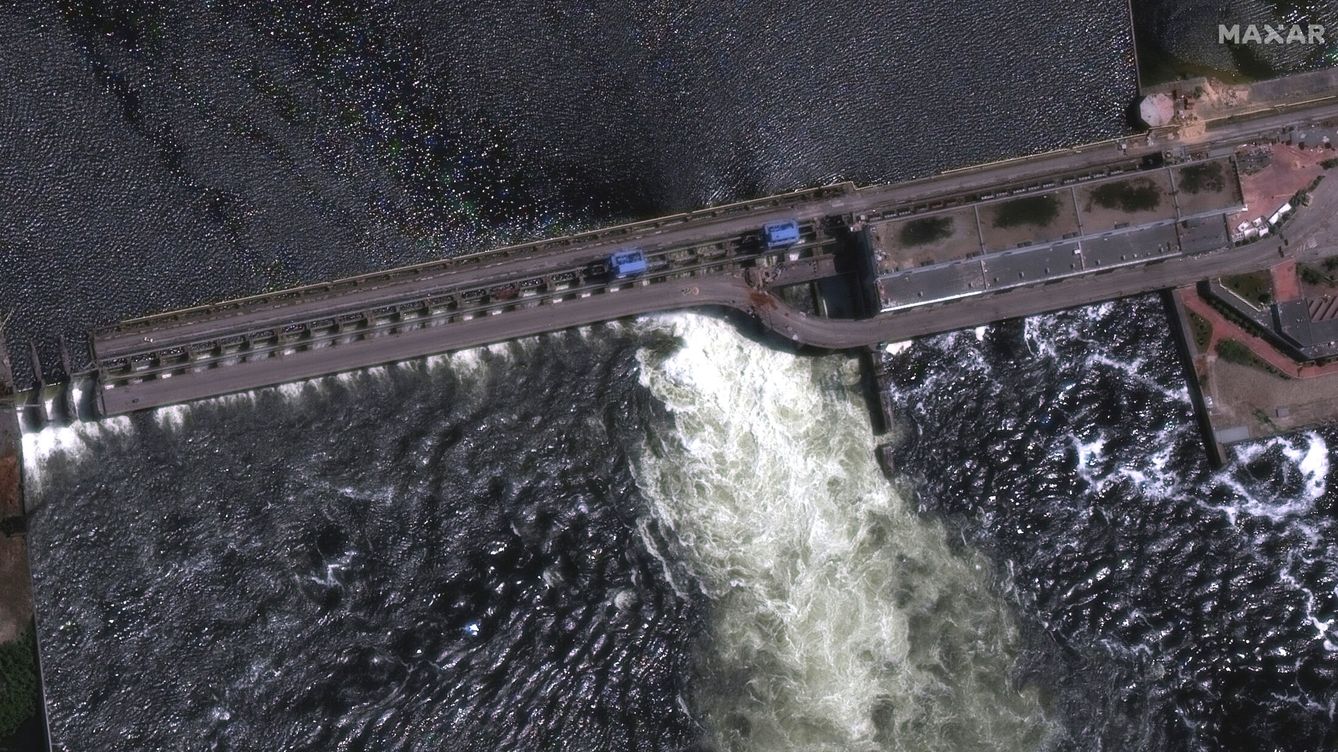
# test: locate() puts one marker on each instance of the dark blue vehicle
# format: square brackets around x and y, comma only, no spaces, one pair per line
[629,262]
[781,234]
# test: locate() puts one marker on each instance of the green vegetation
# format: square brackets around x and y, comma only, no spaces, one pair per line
[1202,177]
[1236,352]
[1129,196]
[1302,197]
[18,682]
[1203,331]
[1323,274]
[1038,211]
[1234,316]
[1329,164]
[1256,287]
[1312,276]
[925,231]
[1264,420]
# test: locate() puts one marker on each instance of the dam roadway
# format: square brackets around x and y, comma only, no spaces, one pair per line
[732,291]
[709,258]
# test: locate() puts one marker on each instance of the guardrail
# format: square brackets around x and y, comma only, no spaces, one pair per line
[266,343]
[623,232]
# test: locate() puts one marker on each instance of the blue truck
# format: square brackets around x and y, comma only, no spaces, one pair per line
[781,234]
[628,262]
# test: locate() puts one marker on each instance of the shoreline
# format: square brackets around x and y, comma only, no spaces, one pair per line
[20,707]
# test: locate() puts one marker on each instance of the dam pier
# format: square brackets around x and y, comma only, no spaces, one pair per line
[964,248]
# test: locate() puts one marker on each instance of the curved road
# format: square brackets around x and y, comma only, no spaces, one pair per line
[728,291]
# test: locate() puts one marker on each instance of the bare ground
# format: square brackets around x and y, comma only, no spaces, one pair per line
[1267,190]
[16,599]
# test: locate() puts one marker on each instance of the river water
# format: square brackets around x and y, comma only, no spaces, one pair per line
[661,534]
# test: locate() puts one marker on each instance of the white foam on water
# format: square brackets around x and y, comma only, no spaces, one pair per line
[1313,462]
[1088,453]
[1044,331]
[1309,453]
[468,361]
[70,443]
[840,618]
[171,417]
[1039,341]
[293,390]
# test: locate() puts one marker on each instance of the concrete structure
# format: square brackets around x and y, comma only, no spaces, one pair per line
[1259,369]
[1075,236]
[718,257]
[1157,110]
[1308,326]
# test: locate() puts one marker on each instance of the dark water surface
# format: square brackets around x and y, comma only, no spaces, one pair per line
[1187,30]
[400,559]
[1194,609]
[658,536]
[165,154]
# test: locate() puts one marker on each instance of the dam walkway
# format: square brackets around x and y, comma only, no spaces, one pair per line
[719,257]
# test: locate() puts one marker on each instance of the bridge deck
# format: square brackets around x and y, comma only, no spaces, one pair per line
[703,258]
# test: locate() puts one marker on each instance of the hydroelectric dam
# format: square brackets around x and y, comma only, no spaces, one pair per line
[960,249]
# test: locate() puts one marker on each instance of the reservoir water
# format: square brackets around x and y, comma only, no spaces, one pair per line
[660,534]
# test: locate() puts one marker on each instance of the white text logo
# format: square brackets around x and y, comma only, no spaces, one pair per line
[1266,34]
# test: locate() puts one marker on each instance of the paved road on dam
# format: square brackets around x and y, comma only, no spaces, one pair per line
[728,291]
[169,330]
[294,334]
[1221,134]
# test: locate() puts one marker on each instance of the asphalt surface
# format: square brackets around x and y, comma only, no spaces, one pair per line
[692,230]
[729,291]
[255,317]
[726,290]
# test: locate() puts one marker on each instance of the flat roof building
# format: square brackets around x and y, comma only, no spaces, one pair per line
[1026,237]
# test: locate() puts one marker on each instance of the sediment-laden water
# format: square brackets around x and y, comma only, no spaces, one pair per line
[838,617]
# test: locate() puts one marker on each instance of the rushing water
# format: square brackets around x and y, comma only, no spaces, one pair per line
[318,569]
[839,618]
[377,596]
[660,535]
[1195,609]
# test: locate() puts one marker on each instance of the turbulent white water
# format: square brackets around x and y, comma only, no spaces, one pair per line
[67,443]
[840,619]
